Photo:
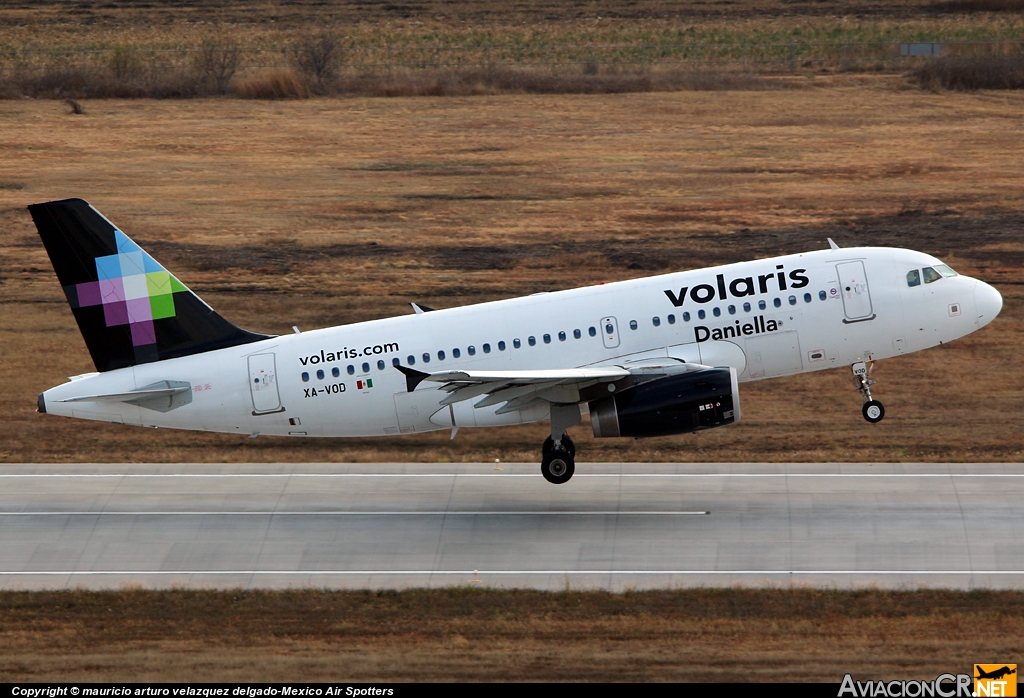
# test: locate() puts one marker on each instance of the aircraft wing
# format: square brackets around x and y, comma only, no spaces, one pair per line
[519,389]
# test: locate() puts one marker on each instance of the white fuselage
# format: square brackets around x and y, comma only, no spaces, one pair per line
[766,318]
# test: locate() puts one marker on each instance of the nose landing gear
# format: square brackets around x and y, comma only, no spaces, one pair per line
[873,410]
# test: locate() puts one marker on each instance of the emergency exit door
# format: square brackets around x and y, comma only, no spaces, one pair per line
[853,284]
[263,384]
[610,332]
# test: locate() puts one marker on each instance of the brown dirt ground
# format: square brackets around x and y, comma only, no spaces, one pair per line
[469,634]
[322,212]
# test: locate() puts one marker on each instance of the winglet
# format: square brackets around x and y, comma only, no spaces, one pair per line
[412,377]
[832,244]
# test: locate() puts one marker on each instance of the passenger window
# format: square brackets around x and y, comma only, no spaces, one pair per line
[547,339]
[352,369]
[456,352]
[366,367]
[426,358]
[777,302]
[577,334]
[746,307]
[762,305]
[335,371]
[792,300]
[320,374]
[716,311]
[440,355]
[657,321]
[632,324]
[516,343]
[732,309]
[807,298]
[822,295]
[471,350]
[487,348]
[930,275]
[671,319]
[395,362]
[532,341]
[305,377]
[592,331]
[380,365]
[913,278]
[686,316]
[561,336]
[411,360]
[501,345]
[701,313]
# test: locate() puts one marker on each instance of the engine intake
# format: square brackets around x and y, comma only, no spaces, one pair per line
[674,405]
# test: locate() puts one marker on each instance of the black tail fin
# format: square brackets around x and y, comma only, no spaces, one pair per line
[129,308]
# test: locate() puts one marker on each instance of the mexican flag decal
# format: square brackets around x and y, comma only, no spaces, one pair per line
[364,385]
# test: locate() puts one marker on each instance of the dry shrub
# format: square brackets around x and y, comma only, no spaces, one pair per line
[216,65]
[62,82]
[968,74]
[218,61]
[979,6]
[315,55]
[274,84]
[505,80]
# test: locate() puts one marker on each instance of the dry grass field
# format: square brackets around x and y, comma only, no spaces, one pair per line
[485,635]
[323,212]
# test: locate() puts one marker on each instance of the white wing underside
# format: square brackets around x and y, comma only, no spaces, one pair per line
[522,389]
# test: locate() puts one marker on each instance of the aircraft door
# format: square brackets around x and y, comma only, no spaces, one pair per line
[853,284]
[610,332]
[263,384]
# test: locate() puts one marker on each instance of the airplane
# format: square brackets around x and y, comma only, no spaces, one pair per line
[995,674]
[654,356]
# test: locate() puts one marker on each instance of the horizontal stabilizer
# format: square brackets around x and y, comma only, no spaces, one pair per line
[162,396]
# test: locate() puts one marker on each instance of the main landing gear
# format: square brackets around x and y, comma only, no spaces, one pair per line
[873,410]
[558,463]
[558,454]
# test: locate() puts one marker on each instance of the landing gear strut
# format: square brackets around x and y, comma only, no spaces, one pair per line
[558,454]
[873,410]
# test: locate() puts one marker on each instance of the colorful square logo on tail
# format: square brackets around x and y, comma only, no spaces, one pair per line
[995,680]
[133,289]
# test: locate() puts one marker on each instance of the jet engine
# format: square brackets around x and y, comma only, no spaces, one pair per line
[673,405]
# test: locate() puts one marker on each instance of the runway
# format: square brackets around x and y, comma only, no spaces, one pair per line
[613,526]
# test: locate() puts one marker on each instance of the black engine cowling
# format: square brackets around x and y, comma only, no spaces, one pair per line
[673,405]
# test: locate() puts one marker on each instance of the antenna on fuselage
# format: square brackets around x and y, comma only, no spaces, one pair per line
[832,244]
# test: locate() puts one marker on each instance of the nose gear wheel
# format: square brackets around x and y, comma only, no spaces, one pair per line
[873,410]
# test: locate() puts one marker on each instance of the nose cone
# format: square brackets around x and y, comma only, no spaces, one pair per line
[988,301]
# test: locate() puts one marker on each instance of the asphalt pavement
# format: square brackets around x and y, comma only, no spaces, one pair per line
[613,526]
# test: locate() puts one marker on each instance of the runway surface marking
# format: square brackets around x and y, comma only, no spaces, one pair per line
[354,513]
[511,572]
[517,475]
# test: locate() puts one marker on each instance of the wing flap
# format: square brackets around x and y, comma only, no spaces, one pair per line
[521,389]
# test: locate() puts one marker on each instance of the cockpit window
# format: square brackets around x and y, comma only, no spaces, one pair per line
[930,275]
[913,278]
[945,271]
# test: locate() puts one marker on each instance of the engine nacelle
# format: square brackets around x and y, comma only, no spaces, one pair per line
[673,405]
